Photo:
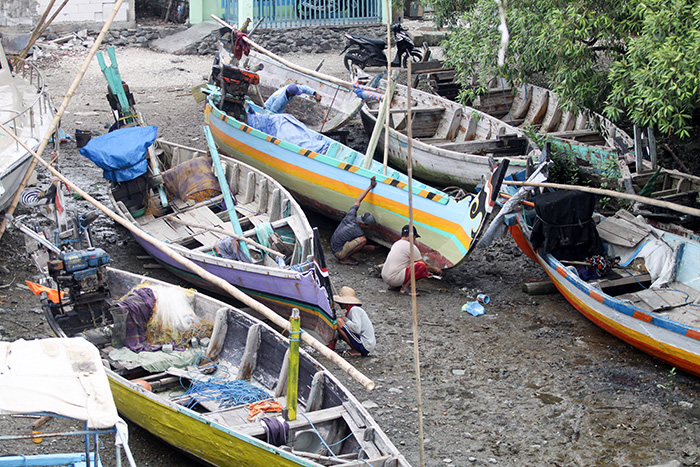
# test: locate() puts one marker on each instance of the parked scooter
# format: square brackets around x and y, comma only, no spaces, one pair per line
[365,51]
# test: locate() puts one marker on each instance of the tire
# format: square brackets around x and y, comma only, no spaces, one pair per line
[355,57]
[415,55]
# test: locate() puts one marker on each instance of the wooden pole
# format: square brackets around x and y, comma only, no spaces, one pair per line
[332,79]
[387,122]
[225,190]
[203,273]
[35,34]
[293,368]
[414,303]
[59,113]
[614,194]
[379,123]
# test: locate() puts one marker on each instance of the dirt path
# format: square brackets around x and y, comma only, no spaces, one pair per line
[531,382]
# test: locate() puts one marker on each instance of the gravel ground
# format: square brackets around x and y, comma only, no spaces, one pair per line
[531,382]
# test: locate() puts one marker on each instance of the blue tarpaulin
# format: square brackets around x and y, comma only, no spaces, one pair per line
[121,154]
[289,129]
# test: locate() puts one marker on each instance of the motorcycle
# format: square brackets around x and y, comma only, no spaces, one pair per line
[365,51]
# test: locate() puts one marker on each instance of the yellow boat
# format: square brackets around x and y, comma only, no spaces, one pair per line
[199,407]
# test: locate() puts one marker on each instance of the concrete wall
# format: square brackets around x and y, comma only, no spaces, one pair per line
[24,14]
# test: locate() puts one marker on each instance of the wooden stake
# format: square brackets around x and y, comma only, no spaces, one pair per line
[614,194]
[59,113]
[201,272]
[414,304]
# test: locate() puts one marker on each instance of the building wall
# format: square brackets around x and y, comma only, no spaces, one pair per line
[26,13]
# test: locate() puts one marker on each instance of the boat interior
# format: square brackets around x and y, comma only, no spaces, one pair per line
[265,216]
[654,270]
[222,363]
[446,125]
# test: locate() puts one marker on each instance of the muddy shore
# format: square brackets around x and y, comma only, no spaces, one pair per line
[531,382]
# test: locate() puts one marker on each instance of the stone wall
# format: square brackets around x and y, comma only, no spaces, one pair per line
[308,40]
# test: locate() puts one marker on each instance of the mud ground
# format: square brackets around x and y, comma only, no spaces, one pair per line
[531,382]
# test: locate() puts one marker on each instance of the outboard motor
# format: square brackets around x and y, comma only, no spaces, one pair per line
[83,275]
[234,83]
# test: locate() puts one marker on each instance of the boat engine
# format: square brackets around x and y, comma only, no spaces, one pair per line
[82,274]
[234,83]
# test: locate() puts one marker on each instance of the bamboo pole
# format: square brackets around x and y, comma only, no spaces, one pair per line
[379,124]
[59,113]
[614,194]
[225,232]
[35,34]
[332,79]
[293,372]
[203,273]
[414,304]
[387,122]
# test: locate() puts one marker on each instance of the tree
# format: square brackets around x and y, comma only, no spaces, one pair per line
[631,58]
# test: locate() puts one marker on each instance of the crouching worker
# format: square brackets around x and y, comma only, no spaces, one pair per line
[355,328]
[396,271]
[349,238]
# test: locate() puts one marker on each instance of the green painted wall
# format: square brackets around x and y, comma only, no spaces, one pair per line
[201,10]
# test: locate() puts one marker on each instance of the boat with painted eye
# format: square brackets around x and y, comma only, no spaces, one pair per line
[327,176]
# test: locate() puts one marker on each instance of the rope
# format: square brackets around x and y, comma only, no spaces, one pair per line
[225,393]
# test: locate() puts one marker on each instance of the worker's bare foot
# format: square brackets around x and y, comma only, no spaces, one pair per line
[369,247]
[349,260]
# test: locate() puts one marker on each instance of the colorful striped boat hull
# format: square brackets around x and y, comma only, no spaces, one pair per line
[447,227]
[666,339]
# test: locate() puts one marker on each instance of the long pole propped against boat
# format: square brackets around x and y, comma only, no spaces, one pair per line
[616,194]
[201,272]
[59,114]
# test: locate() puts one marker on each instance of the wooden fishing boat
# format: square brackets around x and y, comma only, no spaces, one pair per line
[328,176]
[197,407]
[78,393]
[650,303]
[286,268]
[451,143]
[338,104]
[585,135]
[27,110]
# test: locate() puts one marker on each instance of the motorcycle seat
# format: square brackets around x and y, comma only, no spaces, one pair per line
[376,42]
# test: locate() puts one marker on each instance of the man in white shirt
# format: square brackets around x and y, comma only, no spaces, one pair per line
[396,271]
[355,328]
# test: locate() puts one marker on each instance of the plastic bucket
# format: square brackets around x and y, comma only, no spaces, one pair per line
[82,137]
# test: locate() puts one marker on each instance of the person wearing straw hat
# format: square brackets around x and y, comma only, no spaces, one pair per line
[349,238]
[396,271]
[355,328]
[279,99]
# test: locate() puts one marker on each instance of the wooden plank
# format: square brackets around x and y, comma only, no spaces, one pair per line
[607,284]
[255,429]
[204,237]
[414,110]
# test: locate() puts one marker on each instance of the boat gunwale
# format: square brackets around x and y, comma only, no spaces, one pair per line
[437,195]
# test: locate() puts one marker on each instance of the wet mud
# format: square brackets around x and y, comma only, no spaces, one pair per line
[530,382]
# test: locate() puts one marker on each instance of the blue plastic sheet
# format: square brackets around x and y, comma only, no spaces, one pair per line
[289,129]
[121,154]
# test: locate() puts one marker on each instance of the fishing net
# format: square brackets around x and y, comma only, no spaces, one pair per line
[174,320]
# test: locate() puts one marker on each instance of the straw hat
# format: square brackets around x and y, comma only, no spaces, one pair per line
[347,297]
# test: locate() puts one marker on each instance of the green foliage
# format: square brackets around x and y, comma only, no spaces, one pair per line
[658,79]
[633,58]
